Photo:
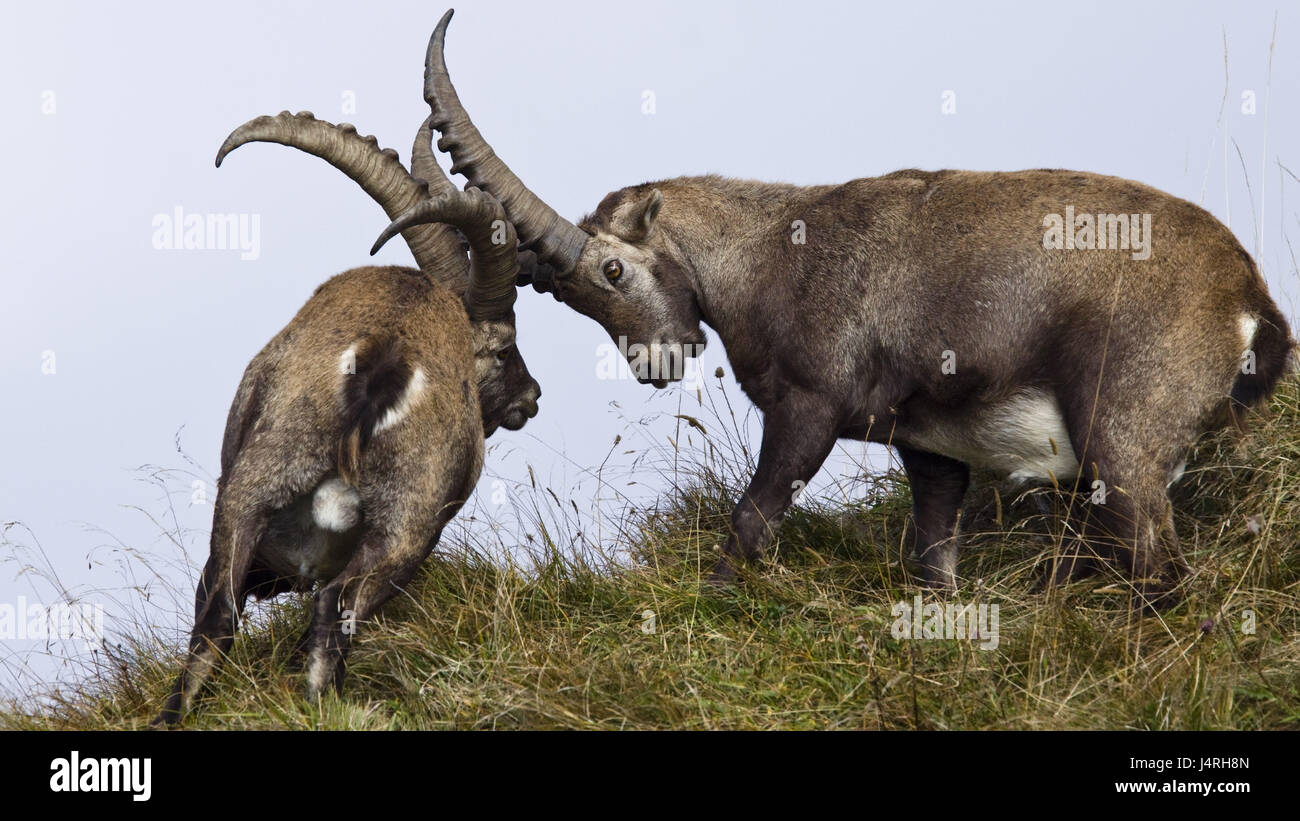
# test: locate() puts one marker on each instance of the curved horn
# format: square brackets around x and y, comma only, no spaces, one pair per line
[556,240]
[534,272]
[493,247]
[424,166]
[436,248]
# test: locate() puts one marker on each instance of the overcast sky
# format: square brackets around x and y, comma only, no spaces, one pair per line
[113,351]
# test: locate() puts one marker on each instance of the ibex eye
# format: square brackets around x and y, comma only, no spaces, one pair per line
[503,354]
[613,270]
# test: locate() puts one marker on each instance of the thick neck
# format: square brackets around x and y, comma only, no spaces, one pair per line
[716,228]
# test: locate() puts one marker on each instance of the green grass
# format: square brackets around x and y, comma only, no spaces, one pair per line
[806,641]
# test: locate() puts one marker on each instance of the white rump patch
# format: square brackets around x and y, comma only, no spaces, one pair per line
[1177,473]
[336,506]
[1023,436]
[348,361]
[1247,325]
[410,397]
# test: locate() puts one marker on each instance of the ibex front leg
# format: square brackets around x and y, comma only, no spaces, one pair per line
[798,434]
[938,487]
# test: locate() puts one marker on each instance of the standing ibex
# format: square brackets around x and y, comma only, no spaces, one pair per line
[930,311]
[357,432]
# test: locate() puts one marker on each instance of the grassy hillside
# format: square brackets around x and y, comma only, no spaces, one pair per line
[806,642]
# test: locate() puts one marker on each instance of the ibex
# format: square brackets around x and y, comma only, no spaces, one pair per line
[950,314]
[357,432]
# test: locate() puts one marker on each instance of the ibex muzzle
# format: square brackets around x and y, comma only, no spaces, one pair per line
[943,313]
[357,432]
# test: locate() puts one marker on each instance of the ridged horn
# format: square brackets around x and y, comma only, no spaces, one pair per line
[436,248]
[556,240]
[493,247]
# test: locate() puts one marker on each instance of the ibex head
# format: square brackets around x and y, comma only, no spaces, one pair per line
[485,281]
[614,268]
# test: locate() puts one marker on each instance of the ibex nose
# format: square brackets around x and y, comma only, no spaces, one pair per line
[530,405]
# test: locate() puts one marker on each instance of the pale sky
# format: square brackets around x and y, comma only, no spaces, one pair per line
[114,114]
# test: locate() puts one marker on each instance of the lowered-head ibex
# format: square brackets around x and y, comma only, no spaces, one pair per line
[951,314]
[357,432]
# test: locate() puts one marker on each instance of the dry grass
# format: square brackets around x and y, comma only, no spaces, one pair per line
[806,642]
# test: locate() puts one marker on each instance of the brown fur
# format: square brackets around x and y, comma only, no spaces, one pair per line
[295,411]
[845,307]
[844,335]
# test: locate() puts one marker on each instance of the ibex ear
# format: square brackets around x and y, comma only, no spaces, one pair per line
[638,222]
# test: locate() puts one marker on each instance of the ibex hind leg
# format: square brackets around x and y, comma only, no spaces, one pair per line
[1077,560]
[1135,525]
[1123,511]
[218,604]
[387,558]
[382,567]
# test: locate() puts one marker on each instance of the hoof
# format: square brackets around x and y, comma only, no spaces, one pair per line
[165,720]
[938,580]
[1066,569]
[1156,597]
[723,575]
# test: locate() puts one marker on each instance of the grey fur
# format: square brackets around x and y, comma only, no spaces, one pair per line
[841,305]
